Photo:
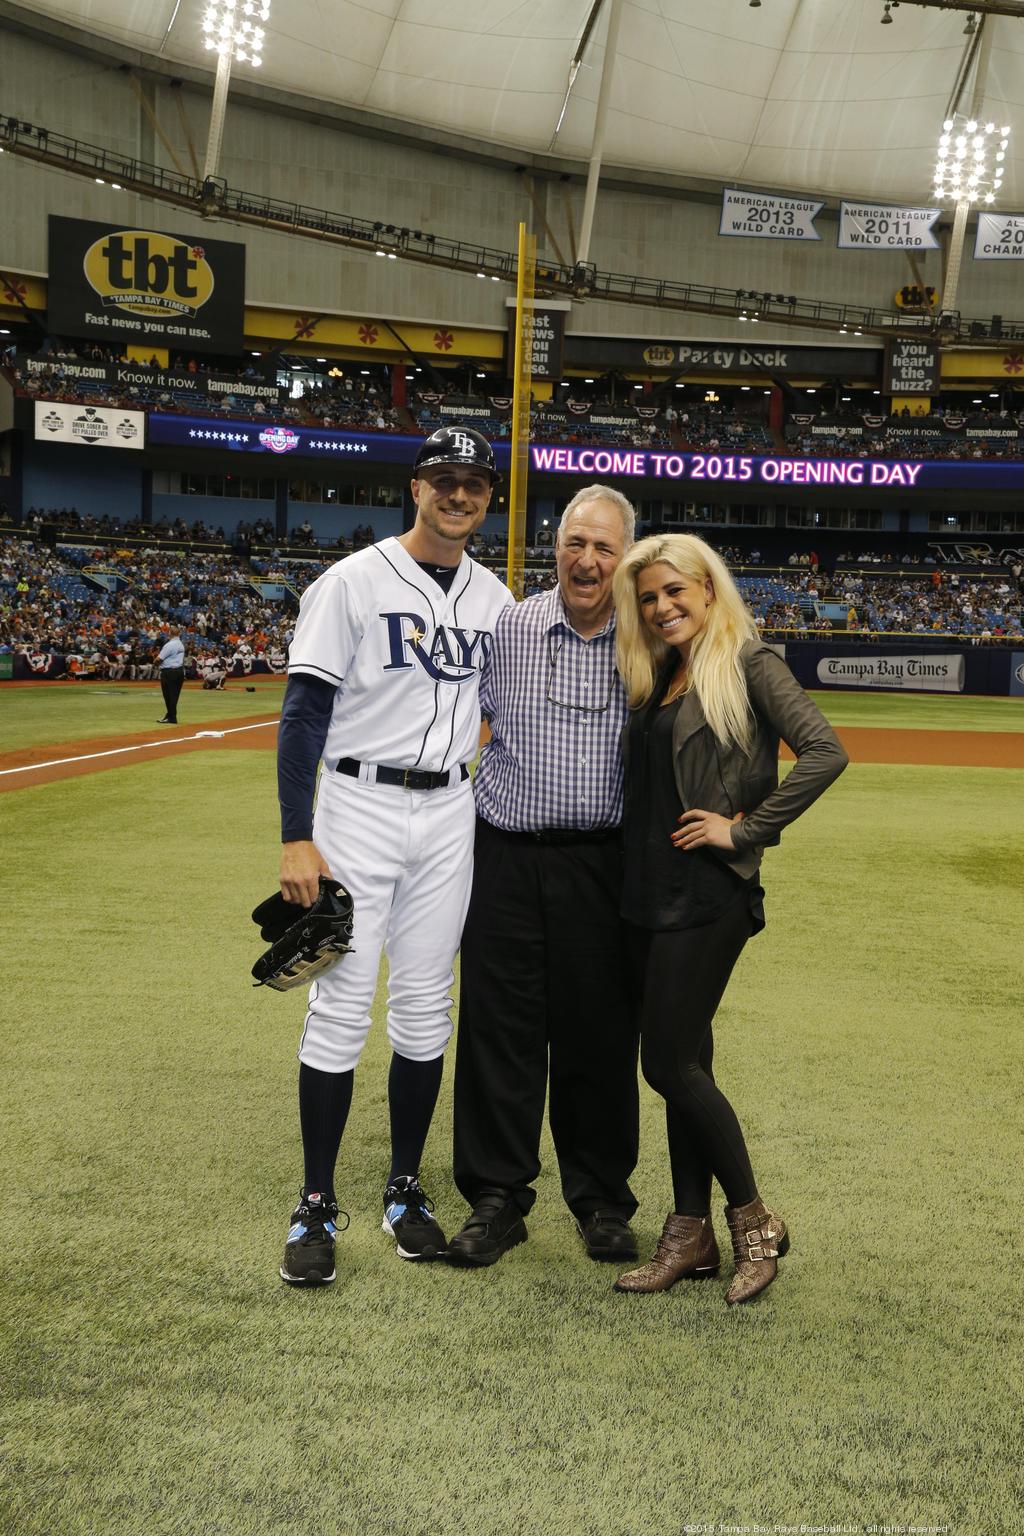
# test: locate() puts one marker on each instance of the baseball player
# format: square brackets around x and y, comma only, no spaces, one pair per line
[213,670]
[382,688]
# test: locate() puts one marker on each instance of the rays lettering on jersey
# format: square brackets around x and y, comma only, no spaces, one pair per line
[451,656]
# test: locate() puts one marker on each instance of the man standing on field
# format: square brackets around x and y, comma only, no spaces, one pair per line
[544,995]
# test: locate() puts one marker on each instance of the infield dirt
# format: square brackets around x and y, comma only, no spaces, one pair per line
[64,760]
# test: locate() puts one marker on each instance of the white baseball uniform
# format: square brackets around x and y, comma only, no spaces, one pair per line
[405,657]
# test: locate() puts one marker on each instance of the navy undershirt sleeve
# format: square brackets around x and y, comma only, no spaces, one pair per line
[301,735]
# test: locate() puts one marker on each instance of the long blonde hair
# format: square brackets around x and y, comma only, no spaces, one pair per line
[715,672]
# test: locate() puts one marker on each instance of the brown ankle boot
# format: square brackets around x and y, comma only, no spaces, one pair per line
[759,1240]
[686,1248]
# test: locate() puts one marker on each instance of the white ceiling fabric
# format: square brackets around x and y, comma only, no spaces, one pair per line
[804,95]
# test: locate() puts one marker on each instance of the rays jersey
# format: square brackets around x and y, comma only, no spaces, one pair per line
[404,656]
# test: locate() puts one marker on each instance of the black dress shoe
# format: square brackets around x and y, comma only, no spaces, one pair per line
[607,1237]
[495,1225]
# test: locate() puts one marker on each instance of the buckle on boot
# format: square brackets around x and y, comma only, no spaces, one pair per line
[757,1248]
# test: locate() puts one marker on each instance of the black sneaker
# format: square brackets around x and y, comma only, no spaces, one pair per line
[607,1238]
[309,1249]
[408,1219]
[495,1225]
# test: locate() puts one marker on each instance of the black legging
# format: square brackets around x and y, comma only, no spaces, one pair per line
[683,974]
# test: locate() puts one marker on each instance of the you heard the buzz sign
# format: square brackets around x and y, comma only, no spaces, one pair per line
[145,287]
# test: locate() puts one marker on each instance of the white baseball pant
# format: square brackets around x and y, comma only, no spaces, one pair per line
[406,856]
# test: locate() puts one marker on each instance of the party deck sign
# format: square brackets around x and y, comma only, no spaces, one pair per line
[1000,237]
[765,216]
[881,227]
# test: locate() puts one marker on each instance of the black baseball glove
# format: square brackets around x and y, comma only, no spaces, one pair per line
[304,941]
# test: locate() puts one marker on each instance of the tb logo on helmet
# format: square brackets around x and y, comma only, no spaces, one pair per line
[457,445]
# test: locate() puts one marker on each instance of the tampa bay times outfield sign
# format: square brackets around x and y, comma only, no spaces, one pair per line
[931,673]
[145,287]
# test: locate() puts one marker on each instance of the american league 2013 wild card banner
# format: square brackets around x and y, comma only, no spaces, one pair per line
[766,216]
[145,287]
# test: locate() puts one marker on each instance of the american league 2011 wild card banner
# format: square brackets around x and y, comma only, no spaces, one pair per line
[882,227]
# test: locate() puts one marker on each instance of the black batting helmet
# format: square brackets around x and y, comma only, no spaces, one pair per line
[457,445]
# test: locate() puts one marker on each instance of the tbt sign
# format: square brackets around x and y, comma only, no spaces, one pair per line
[145,287]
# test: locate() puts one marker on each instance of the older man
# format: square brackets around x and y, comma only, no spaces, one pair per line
[544,990]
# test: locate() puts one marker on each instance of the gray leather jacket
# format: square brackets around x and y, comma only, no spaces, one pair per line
[713,777]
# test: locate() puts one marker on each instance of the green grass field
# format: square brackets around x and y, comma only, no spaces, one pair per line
[158,1377]
[921,711]
[62,712]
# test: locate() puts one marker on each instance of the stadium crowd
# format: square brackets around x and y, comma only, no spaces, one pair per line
[107,611]
[630,415]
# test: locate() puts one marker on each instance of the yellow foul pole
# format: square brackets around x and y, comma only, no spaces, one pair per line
[521,384]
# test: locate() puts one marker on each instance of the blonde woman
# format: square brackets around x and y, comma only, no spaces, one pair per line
[709,704]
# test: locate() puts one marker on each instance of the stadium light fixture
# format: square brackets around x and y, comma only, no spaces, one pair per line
[970,161]
[969,170]
[233,28]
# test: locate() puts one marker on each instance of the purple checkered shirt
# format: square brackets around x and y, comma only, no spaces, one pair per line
[556,708]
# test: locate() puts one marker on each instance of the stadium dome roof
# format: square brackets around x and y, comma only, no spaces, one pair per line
[800,95]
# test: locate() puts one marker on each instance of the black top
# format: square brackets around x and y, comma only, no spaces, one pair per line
[665,887]
[444,575]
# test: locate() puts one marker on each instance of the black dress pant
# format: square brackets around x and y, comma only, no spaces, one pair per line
[171,682]
[544,990]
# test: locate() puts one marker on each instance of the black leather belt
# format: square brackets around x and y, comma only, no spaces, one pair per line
[404,778]
[560,837]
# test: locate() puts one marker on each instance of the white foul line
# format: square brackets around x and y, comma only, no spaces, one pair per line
[142,746]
